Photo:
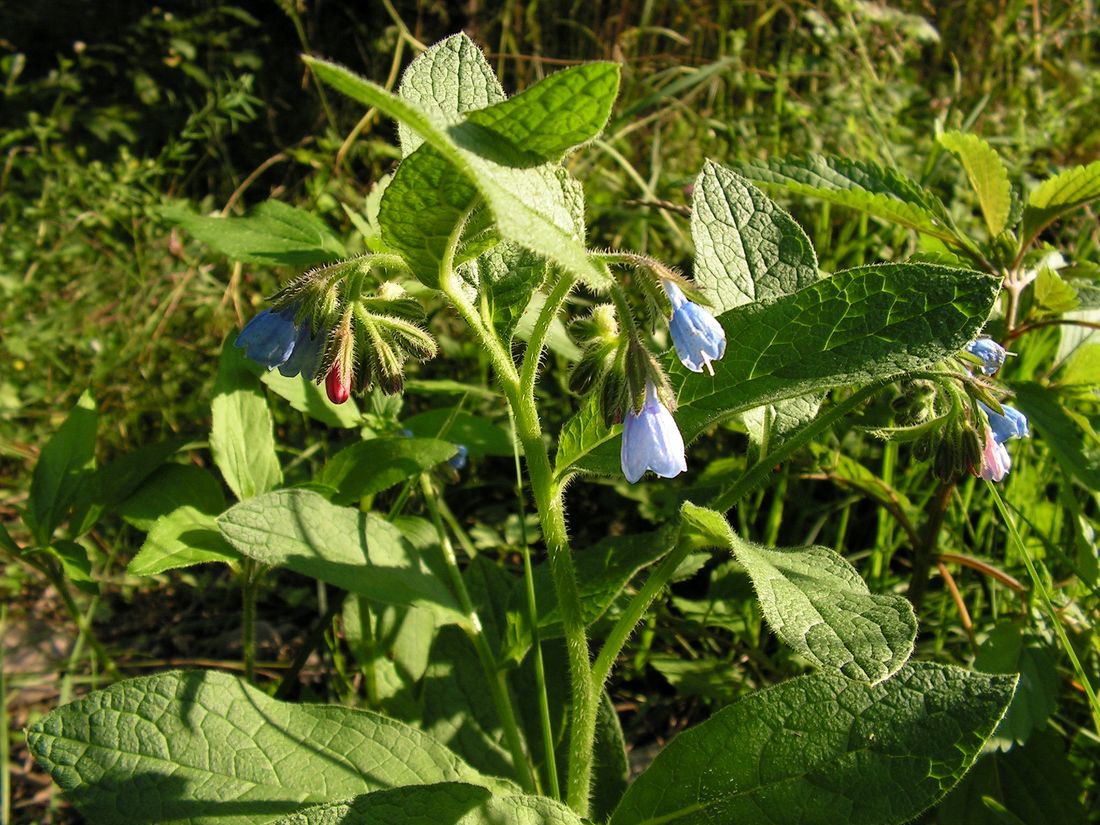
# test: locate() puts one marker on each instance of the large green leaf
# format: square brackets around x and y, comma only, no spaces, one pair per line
[370,467]
[65,463]
[360,552]
[544,122]
[746,248]
[1059,194]
[1060,432]
[204,747]
[817,603]
[114,483]
[272,234]
[515,196]
[184,537]
[449,79]
[867,187]
[438,804]
[824,749]
[988,177]
[859,326]
[241,436]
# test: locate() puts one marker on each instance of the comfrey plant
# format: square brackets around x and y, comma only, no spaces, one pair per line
[482,215]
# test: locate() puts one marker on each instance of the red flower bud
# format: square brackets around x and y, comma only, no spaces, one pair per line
[337,384]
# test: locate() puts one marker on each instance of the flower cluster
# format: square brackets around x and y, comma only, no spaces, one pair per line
[325,326]
[651,439]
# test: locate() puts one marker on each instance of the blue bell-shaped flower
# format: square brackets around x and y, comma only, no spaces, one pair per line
[697,336]
[651,440]
[989,352]
[273,339]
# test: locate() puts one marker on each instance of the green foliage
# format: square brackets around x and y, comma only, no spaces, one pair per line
[824,749]
[206,747]
[818,604]
[450,802]
[107,287]
[362,553]
[241,437]
[273,234]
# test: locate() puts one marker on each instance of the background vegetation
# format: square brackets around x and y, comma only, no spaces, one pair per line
[113,111]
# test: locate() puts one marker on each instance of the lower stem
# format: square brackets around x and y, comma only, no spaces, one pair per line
[551,507]
[494,676]
[84,627]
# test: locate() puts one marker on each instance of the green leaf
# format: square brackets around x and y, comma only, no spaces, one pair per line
[480,436]
[545,121]
[372,466]
[988,177]
[509,276]
[746,248]
[113,483]
[1009,648]
[448,80]
[241,437]
[1060,194]
[824,749]
[859,326]
[421,208]
[817,603]
[184,537]
[516,197]
[307,397]
[172,486]
[359,552]
[76,564]
[866,187]
[204,747]
[1036,783]
[1053,294]
[272,234]
[611,770]
[457,707]
[438,804]
[65,463]
[1059,432]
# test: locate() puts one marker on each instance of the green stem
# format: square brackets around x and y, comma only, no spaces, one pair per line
[1052,613]
[533,355]
[84,627]
[762,470]
[551,507]
[634,613]
[547,728]
[498,684]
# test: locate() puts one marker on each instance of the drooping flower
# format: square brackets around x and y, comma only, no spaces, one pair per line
[697,336]
[651,440]
[1013,424]
[996,461]
[989,352]
[273,339]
